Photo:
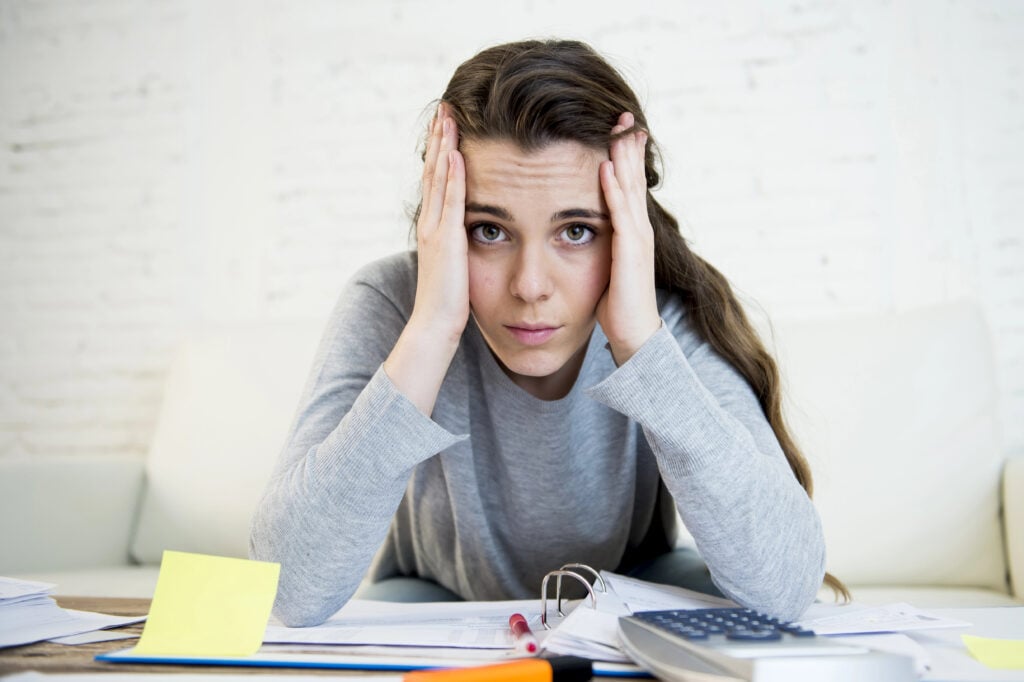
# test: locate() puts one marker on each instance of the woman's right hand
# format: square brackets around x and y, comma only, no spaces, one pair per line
[442,286]
[421,356]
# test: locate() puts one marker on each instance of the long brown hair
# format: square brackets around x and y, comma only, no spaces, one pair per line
[536,92]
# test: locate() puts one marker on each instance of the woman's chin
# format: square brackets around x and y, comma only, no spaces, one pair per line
[539,366]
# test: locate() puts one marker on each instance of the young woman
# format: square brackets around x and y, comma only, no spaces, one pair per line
[543,381]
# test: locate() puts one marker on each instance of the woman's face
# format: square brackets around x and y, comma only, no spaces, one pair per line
[539,257]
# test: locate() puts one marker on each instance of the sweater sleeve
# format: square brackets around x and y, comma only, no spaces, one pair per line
[753,523]
[346,463]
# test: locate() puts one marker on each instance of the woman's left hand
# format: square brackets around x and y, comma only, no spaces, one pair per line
[628,311]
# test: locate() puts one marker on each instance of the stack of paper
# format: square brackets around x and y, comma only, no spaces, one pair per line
[29,614]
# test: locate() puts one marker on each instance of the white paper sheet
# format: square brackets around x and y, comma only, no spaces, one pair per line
[588,633]
[58,623]
[93,637]
[639,595]
[854,619]
[12,588]
[474,625]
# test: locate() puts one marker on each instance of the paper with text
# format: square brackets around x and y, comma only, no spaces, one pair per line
[457,625]
[853,619]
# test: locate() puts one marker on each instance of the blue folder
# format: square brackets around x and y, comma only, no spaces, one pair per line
[293,657]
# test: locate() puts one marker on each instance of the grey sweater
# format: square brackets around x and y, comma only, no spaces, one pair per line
[499,487]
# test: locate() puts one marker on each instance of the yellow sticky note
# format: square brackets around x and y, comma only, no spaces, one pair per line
[209,606]
[1006,654]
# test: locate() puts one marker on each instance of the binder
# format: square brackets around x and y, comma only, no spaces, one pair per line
[291,656]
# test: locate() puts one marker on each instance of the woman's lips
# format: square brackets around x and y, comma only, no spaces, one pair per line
[531,336]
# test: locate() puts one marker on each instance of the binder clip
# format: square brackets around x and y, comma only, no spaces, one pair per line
[564,571]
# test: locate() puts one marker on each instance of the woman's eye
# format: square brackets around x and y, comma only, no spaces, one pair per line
[578,234]
[487,233]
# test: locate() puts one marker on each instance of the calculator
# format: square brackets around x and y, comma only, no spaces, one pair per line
[741,644]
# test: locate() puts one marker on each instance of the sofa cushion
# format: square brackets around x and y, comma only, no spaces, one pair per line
[925,597]
[229,399]
[67,512]
[896,415]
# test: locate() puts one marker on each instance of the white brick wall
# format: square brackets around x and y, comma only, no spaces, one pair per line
[165,164]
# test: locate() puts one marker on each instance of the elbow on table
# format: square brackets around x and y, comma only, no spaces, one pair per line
[787,604]
[782,593]
[298,606]
[298,603]
[797,577]
[791,600]
[301,616]
[792,606]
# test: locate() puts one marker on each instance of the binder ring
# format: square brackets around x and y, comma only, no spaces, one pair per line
[597,579]
[558,595]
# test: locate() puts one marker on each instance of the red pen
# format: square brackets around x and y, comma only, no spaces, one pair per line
[526,643]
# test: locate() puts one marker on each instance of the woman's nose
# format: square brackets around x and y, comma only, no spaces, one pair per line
[531,279]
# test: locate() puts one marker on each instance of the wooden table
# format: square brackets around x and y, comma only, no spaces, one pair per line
[47,657]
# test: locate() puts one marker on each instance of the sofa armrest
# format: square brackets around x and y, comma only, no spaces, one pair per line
[1013,522]
[70,512]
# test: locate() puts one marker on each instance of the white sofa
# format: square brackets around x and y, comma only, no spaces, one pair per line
[896,414]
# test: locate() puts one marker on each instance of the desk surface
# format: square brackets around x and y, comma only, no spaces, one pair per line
[47,657]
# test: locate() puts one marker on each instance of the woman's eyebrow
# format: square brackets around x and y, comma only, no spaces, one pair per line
[578,213]
[496,211]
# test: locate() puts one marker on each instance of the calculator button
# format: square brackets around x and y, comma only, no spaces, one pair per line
[754,635]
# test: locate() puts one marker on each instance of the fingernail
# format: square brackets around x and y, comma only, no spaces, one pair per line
[447,126]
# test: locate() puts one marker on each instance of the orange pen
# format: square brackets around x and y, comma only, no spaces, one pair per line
[557,669]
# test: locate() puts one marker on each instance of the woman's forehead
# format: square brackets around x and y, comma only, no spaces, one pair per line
[496,168]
